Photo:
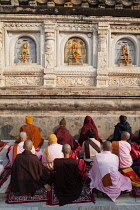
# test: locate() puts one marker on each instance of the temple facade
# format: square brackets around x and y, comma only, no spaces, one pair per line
[79,51]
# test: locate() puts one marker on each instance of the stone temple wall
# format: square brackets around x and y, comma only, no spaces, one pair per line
[69,51]
[54,66]
[48,106]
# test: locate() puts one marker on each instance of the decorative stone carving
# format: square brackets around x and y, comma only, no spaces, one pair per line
[49,51]
[75,81]
[23,80]
[124,81]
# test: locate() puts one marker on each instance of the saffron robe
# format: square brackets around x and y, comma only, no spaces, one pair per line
[33,134]
[27,173]
[106,163]
[63,137]
[88,124]
[67,181]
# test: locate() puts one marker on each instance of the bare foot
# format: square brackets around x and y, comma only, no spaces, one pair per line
[47,187]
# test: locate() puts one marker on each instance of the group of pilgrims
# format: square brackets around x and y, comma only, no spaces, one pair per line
[109,166]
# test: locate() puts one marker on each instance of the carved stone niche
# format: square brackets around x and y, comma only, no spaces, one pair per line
[75,52]
[124,53]
[25,51]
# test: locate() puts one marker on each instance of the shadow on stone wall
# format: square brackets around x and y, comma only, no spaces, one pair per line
[5,132]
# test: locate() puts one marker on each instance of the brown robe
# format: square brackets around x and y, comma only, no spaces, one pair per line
[67,181]
[27,173]
[33,134]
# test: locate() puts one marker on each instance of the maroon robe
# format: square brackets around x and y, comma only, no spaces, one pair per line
[27,173]
[1,143]
[88,124]
[63,137]
[67,181]
[135,150]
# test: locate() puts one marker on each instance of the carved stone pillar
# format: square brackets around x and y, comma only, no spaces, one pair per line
[1,76]
[102,71]
[49,77]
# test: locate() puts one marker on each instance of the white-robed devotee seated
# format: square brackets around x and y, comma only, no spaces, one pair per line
[18,147]
[105,176]
[122,149]
[52,151]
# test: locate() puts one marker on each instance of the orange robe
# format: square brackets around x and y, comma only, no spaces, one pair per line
[33,134]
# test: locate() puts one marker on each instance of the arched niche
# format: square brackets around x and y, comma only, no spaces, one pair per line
[75,51]
[25,50]
[125,49]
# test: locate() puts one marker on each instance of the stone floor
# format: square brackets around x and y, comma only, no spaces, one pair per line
[123,202]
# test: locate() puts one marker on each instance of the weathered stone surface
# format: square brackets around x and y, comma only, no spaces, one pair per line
[48,106]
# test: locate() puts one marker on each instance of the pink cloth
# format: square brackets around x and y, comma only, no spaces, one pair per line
[55,151]
[108,163]
[19,151]
[124,154]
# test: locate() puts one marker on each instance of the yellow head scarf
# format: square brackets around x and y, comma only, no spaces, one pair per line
[29,119]
[52,139]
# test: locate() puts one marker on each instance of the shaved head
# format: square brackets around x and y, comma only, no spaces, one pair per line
[107,146]
[66,149]
[125,136]
[28,145]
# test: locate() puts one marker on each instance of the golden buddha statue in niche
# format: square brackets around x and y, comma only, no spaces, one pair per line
[25,51]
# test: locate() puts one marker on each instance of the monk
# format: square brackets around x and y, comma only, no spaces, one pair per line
[33,132]
[90,147]
[67,181]
[52,151]
[63,135]
[122,150]
[88,124]
[27,174]
[105,176]
[18,147]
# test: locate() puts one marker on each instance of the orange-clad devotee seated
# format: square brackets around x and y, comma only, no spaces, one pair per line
[122,150]
[33,132]
[63,135]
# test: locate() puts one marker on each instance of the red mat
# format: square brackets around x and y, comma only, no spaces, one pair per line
[6,173]
[40,196]
[85,197]
[135,191]
[48,197]
[1,148]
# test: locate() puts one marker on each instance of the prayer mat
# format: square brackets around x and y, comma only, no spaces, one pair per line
[1,148]
[135,191]
[39,196]
[5,174]
[85,197]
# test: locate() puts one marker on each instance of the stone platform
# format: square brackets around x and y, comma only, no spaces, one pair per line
[49,105]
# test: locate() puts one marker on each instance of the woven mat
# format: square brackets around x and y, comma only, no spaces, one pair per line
[1,148]
[85,197]
[6,173]
[135,191]
[40,196]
